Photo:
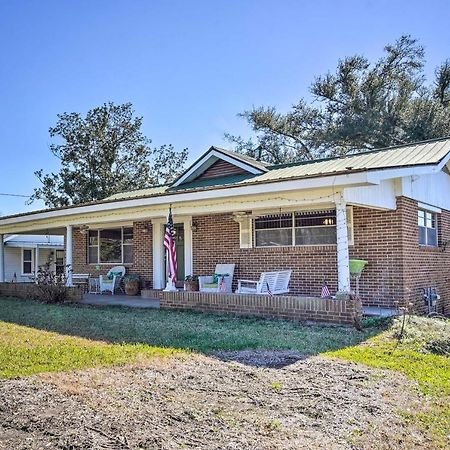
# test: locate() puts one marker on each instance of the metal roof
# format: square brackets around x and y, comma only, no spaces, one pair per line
[422,153]
[417,154]
[24,240]
[139,193]
[430,152]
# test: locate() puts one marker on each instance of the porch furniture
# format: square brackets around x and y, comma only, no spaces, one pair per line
[112,280]
[81,280]
[214,283]
[277,282]
[94,285]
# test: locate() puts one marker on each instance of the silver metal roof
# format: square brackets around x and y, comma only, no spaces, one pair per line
[431,152]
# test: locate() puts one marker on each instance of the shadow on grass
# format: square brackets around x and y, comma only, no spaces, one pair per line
[206,333]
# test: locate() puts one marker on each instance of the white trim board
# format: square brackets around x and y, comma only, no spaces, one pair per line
[207,160]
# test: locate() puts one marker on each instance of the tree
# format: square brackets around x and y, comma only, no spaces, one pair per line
[361,106]
[102,154]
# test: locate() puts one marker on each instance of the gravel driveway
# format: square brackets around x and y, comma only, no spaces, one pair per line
[230,401]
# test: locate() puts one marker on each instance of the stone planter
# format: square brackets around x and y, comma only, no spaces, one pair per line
[191,286]
[132,287]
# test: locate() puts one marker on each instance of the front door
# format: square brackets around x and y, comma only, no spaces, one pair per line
[178,229]
[179,248]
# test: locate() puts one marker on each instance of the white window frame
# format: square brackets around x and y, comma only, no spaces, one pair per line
[350,229]
[23,261]
[98,247]
[433,216]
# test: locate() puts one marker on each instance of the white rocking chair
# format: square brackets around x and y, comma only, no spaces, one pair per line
[207,284]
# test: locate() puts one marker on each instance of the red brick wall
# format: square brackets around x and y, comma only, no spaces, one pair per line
[425,266]
[142,261]
[343,311]
[377,239]
[216,240]
[398,267]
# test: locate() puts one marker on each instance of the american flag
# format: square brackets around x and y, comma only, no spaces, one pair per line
[325,291]
[269,291]
[169,244]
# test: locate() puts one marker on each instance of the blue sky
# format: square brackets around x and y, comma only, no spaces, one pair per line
[187,66]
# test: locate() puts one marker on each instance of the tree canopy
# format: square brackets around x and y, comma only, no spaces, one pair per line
[361,106]
[104,153]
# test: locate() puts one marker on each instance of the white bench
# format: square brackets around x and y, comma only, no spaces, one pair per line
[278,283]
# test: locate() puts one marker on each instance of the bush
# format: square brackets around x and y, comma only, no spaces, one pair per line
[51,287]
[51,293]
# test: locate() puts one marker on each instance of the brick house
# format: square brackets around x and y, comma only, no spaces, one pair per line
[390,207]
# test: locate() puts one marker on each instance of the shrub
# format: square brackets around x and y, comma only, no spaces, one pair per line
[51,287]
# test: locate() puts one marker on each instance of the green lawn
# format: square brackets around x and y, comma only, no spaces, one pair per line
[36,337]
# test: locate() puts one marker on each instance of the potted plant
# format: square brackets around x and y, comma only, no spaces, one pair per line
[191,283]
[131,283]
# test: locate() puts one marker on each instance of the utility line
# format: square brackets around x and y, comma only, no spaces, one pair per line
[14,195]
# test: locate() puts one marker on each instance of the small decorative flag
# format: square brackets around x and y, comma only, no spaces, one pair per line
[169,244]
[269,291]
[325,291]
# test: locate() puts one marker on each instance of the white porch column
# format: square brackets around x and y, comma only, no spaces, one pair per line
[69,254]
[342,246]
[36,263]
[2,258]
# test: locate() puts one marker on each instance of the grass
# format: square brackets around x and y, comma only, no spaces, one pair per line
[37,338]
[423,356]
[26,351]
[170,329]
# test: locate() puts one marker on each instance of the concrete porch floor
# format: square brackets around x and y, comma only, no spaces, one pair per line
[375,311]
[119,300]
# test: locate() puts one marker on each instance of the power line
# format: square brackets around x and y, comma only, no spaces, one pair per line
[14,195]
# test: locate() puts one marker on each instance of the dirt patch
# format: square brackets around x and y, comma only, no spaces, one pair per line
[261,358]
[205,403]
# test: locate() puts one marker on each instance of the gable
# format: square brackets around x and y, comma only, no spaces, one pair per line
[221,168]
[219,163]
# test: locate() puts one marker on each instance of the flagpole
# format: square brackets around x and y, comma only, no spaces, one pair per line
[169,245]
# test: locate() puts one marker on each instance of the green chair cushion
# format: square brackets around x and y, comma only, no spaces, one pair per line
[211,285]
[111,275]
[218,276]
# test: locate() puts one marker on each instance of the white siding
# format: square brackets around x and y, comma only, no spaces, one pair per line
[379,196]
[433,189]
[13,262]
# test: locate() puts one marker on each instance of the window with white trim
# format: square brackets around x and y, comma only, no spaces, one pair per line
[110,246]
[427,222]
[27,261]
[299,228]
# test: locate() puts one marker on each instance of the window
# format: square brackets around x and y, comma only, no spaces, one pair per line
[59,262]
[313,228]
[427,223]
[27,261]
[299,228]
[274,230]
[111,245]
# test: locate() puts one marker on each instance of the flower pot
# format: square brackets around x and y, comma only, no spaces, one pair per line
[132,287]
[191,286]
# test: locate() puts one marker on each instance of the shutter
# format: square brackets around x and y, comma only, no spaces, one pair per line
[245,232]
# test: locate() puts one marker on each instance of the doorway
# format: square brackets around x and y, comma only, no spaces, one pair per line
[183,248]
[178,231]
